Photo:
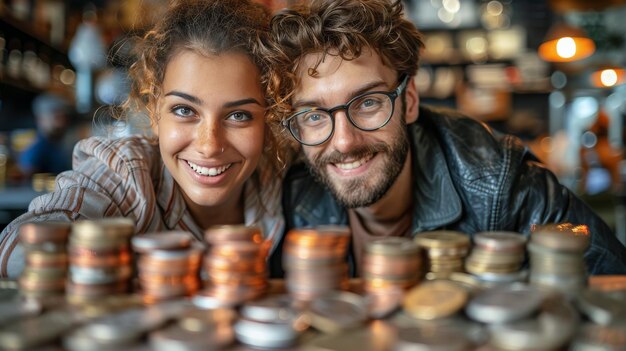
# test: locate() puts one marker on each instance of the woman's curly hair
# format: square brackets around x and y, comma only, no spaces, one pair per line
[208,27]
[335,27]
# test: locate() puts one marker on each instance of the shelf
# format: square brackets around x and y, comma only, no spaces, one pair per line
[12,27]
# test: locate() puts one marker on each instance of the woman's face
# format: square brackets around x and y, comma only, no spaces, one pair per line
[211,126]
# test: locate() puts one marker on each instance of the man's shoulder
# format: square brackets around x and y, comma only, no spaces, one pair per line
[466,139]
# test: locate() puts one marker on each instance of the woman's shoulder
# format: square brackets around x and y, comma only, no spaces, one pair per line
[131,151]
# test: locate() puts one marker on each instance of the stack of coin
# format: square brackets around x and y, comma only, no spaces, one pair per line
[556,257]
[497,257]
[394,261]
[445,250]
[234,266]
[315,261]
[44,246]
[168,265]
[100,260]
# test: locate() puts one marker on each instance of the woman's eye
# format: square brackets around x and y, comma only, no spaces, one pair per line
[240,116]
[183,111]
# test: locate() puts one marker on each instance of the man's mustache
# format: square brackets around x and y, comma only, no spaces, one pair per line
[336,156]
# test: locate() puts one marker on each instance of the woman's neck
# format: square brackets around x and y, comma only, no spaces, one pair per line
[230,212]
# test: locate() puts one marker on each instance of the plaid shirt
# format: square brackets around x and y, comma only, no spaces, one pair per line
[126,178]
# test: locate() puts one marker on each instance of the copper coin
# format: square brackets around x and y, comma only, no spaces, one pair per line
[229,233]
[42,232]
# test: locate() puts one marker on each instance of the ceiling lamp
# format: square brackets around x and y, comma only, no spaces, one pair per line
[566,43]
[607,77]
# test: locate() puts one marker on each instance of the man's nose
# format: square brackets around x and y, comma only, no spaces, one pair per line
[346,135]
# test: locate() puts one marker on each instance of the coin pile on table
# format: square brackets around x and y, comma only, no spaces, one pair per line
[100,258]
[44,246]
[449,310]
[445,250]
[315,261]
[556,257]
[497,257]
[234,265]
[168,265]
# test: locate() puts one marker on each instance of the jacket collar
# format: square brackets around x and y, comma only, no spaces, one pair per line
[436,202]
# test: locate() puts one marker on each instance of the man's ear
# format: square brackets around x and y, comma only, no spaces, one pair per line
[412,102]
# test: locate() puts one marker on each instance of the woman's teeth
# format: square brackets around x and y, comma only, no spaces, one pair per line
[211,172]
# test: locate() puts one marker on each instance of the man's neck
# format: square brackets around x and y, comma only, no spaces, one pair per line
[397,201]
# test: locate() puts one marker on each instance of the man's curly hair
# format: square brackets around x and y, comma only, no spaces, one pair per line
[335,27]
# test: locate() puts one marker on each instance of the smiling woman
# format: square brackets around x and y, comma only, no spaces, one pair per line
[211,159]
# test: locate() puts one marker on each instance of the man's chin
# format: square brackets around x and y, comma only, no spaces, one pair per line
[355,194]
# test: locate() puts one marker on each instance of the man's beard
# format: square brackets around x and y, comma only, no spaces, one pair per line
[355,192]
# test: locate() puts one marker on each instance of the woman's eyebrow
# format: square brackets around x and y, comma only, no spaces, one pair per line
[193,99]
[242,102]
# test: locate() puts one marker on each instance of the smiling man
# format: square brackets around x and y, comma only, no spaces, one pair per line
[374,159]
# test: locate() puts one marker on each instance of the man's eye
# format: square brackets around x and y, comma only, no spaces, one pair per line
[369,103]
[240,116]
[182,111]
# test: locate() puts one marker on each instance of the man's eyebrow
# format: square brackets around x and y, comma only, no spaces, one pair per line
[196,100]
[367,87]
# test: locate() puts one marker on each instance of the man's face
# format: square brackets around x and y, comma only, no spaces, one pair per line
[357,166]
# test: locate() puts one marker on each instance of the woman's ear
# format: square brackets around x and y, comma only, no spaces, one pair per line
[412,100]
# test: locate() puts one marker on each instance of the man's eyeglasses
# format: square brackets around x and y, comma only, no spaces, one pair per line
[367,112]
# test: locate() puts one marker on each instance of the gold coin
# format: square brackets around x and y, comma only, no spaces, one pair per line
[435,299]
[441,239]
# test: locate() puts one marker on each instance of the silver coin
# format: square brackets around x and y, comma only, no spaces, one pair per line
[514,277]
[92,275]
[176,338]
[601,307]
[337,311]
[265,334]
[270,309]
[161,241]
[431,339]
[504,303]
[553,327]
[195,249]
[128,325]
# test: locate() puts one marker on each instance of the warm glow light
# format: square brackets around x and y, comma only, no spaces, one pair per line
[565,43]
[608,77]
[566,47]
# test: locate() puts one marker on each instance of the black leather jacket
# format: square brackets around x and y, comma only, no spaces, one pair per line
[470,179]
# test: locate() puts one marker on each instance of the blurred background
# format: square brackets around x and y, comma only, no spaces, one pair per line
[548,71]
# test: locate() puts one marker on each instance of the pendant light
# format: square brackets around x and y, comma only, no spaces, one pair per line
[566,43]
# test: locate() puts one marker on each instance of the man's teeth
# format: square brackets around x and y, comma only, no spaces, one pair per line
[353,165]
[211,172]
